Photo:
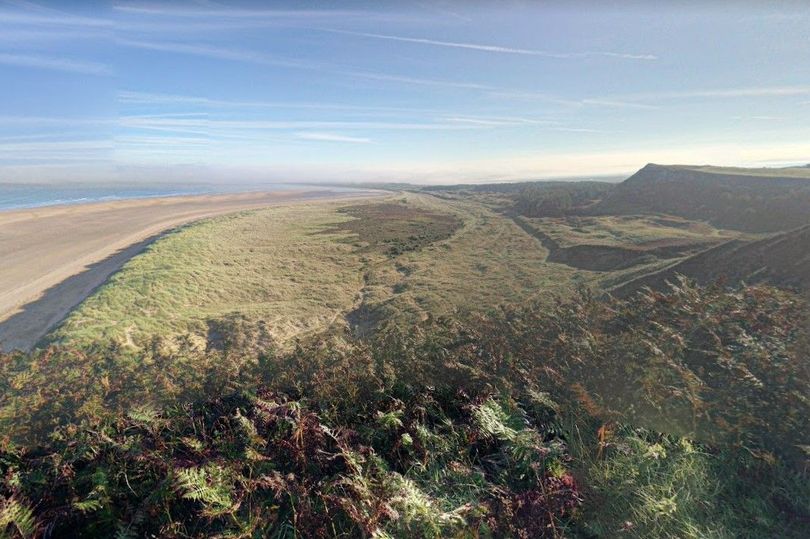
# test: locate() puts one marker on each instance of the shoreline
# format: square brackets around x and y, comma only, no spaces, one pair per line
[55,256]
[202,191]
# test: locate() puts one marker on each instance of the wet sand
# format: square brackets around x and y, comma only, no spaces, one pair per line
[52,258]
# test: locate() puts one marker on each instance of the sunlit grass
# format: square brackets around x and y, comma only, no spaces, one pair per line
[628,231]
[296,272]
[275,265]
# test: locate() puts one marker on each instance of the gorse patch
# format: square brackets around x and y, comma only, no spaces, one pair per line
[396,227]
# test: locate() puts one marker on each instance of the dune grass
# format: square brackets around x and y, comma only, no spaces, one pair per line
[303,269]
[487,262]
[276,266]
[490,262]
[299,270]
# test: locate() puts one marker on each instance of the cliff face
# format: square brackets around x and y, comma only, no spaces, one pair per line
[738,201]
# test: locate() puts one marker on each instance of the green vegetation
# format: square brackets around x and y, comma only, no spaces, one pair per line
[296,271]
[423,364]
[396,228]
[276,268]
[266,466]
[492,428]
[556,200]
[644,484]
[488,262]
[764,172]
[629,231]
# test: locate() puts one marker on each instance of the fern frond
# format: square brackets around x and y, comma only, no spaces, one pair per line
[210,485]
[17,515]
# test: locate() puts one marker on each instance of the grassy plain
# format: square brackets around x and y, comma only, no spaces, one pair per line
[290,272]
[489,262]
[628,231]
[276,266]
[298,270]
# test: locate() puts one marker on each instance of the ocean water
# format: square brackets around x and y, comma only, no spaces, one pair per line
[18,196]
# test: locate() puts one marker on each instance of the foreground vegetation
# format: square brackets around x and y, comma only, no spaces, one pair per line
[524,423]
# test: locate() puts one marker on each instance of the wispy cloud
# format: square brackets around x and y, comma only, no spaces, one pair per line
[50,121]
[51,18]
[579,130]
[611,103]
[265,16]
[146,98]
[497,48]
[499,121]
[438,7]
[259,58]
[648,100]
[236,13]
[331,137]
[49,136]
[70,145]
[420,81]
[723,93]
[52,63]
[521,95]
[27,36]
[81,150]
[759,118]
[161,141]
[201,123]
[199,49]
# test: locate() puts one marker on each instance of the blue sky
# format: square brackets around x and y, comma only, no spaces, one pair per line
[426,91]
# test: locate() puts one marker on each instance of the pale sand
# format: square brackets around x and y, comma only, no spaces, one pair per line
[52,258]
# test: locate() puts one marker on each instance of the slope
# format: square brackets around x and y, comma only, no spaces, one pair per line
[782,259]
[749,200]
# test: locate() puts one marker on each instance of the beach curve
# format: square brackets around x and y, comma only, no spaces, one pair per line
[52,258]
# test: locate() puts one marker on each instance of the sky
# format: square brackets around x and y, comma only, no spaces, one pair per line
[424,91]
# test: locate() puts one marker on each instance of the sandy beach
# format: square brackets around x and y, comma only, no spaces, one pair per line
[51,258]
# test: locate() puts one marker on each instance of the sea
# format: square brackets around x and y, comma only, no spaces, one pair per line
[15,196]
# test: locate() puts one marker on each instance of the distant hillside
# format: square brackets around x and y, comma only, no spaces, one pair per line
[782,260]
[750,200]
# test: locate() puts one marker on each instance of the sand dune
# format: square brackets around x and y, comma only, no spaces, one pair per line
[52,258]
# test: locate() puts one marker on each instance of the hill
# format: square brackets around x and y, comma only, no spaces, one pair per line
[782,260]
[749,200]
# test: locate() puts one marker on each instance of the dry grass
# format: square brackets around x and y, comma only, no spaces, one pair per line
[303,269]
[274,265]
[299,270]
[488,262]
[801,173]
[630,231]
